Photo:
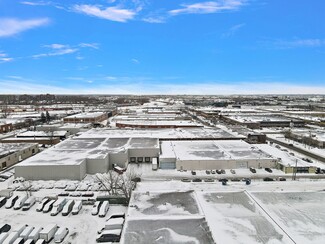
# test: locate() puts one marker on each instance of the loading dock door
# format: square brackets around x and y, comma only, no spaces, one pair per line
[167,165]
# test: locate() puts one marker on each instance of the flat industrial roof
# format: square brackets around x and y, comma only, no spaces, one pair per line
[212,150]
[6,148]
[167,134]
[85,115]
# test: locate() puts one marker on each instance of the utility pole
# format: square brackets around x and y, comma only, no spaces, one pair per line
[294,172]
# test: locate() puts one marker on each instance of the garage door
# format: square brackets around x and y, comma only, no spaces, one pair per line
[167,165]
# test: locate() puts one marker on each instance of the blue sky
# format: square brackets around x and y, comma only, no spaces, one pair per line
[162,47]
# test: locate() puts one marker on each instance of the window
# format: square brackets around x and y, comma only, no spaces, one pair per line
[4,165]
[140,160]
[33,151]
[132,159]
[147,159]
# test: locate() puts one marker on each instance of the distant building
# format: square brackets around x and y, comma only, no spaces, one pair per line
[13,153]
[86,118]
[5,127]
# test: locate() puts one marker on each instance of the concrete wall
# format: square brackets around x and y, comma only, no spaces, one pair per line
[119,158]
[97,165]
[51,172]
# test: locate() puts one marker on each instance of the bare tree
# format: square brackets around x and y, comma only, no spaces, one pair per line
[5,108]
[119,184]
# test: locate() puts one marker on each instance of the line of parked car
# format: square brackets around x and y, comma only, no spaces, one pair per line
[53,205]
[112,229]
[25,234]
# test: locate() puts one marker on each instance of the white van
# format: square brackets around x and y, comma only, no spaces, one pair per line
[41,241]
[11,238]
[20,202]
[77,207]
[19,240]
[29,241]
[42,204]
[48,207]
[96,208]
[3,236]
[60,234]
[3,201]
[116,223]
[19,229]
[58,206]
[67,207]
[26,232]
[48,232]
[103,209]
[29,203]
[11,201]
[34,235]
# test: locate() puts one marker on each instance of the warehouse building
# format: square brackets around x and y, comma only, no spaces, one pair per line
[94,117]
[74,158]
[13,153]
[202,155]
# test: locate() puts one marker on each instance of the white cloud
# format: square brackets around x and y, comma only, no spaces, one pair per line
[155,20]
[59,52]
[208,7]
[91,45]
[39,3]
[5,60]
[56,46]
[134,60]
[299,43]
[11,26]
[110,13]
[233,30]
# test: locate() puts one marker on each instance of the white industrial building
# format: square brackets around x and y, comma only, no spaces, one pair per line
[202,155]
[97,150]
[74,158]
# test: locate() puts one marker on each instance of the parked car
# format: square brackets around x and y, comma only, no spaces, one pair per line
[267,179]
[34,235]
[116,215]
[20,202]
[68,207]
[282,179]
[42,204]
[185,180]
[26,232]
[76,207]
[110,236]
[96,208]
[232,171]
[40,241]
[213,172]
[4,228]
[29,203]
[48,207]
[19,240]
[207,172]
[222,171]
[11,238]
[197,180]
[11,201]
[58,206]
[60,234]
[268,170]
[103,209]
[3,201]
[29,241]
[193,172]
[235,179]
[3,236]
[253,170]
[208,180]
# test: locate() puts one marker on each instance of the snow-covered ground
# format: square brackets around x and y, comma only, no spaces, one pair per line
[263,212]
